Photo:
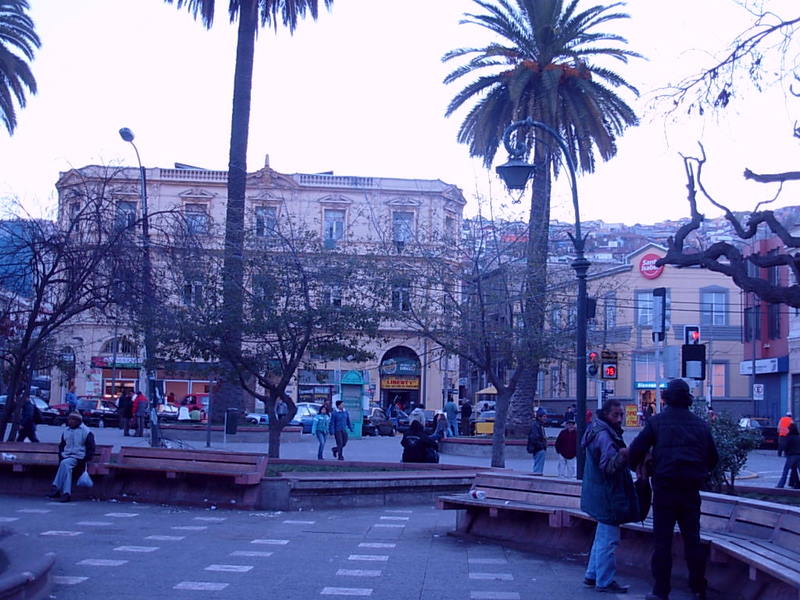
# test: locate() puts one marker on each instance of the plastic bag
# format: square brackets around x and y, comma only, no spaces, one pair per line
[85,480]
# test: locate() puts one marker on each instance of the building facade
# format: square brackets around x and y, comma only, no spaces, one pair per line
[370,215]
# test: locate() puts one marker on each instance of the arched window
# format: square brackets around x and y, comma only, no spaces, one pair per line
[124,346]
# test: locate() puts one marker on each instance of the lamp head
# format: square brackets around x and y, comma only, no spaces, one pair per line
[515,173]
[126,134]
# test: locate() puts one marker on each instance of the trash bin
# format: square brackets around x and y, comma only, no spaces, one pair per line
[231,420]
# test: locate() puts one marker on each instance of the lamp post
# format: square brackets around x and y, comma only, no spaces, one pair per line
[515,174]
[147,306]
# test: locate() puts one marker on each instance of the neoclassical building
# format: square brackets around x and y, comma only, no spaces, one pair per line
[366,214]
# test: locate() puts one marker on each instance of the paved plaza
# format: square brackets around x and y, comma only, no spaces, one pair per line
[136,551]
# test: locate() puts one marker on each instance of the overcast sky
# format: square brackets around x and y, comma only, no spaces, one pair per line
[360,92]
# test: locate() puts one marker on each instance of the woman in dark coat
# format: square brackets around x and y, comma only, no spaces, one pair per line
[418,447]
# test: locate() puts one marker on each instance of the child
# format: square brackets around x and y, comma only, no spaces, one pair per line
[566,447]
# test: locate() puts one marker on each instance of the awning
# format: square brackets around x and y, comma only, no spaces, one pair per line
[488,390]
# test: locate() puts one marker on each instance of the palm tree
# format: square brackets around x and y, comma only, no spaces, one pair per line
[16,33]
[541,67]
[251,14]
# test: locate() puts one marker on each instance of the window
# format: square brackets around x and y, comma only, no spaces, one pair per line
[449,228]
[401,297]
[266,221]
[713,308]
[719,372]
[74,209]
[752,325]
[123,346]
[555,381]
[644,308]
[333,295]
[645,366]
[402,226]
[333,226]
[774,321]
[196,217]
[773,273]
[125,215]
[556,319]
[192,294]
[752,268]
[610,311]
[540,383]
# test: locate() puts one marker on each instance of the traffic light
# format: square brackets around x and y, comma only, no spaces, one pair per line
[608,365]
[693,361]
[593,364]
[691,335]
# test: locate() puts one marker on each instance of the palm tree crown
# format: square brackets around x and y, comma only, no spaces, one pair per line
[18,40]
[542,69]
[288,12]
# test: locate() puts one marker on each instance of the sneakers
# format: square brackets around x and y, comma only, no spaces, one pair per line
[589,582]
[612,588]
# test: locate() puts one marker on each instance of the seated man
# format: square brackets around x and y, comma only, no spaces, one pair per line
[74,451]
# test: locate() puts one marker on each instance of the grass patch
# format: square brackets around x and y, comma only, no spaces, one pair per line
[276,470]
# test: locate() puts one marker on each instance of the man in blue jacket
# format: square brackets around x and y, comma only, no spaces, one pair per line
[684,454]
[340,424]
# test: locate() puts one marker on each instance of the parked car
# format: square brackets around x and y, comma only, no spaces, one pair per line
[377,423]
[769,432]
[94,411]
[167,412]
[306,411]
[50,416]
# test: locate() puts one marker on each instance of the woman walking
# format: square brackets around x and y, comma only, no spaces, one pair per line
[319,428]
[791,448]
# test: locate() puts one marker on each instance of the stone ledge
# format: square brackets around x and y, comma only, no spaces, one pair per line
[25,568]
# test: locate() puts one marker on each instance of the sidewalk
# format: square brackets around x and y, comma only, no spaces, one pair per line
[764,464]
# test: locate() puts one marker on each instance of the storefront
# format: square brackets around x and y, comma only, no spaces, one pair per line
[400,378]
[113,378]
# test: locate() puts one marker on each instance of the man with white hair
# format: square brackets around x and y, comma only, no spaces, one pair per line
[74,451]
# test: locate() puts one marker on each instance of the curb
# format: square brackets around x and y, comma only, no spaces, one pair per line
[26,575]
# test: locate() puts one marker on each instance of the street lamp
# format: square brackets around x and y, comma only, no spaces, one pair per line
[147,307]
[515,174]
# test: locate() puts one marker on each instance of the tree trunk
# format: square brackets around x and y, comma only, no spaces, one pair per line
[501,403]
[12,408]
[233,269]
[521,408]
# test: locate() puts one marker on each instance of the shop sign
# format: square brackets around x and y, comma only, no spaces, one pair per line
[631,415]
[400,366]
[123,362]
[648,268]
[648,385]
[400,383]
[765,365]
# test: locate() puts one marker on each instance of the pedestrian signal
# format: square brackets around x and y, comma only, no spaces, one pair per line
[593,366]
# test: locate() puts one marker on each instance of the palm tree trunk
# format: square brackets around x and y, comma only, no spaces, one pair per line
[233,269]
[521,407]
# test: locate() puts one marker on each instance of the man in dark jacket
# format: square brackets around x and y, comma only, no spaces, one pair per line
[27,423]
[125,410]
[418,447]
[537,441]
[606,494]
[684,454]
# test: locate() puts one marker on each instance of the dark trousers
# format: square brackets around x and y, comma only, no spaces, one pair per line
[27,431]
[126,421]
[341,441]
[674,504]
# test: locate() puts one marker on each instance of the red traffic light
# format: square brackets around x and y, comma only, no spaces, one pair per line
[593,356]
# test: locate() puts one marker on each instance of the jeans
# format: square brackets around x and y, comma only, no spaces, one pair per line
[452,427]
[538,462]
[140,425]
[341,441]
[674,504]
[602,566]
[321,437]
[566,467]
[791,463]
[63,479]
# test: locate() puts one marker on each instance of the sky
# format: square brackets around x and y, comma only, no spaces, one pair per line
[360,92]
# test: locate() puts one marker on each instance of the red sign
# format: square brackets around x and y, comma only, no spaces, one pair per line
[648,268]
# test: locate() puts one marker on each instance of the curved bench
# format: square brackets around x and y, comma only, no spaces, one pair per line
[27,567]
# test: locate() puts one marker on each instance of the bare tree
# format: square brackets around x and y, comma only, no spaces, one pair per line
[52,272]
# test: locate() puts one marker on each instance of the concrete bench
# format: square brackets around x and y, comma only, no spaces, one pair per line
[243,468]
[42,454]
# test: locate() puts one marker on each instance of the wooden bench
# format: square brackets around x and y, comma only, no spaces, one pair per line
[763,537]
[559,499]
[42,454]
[243,468]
